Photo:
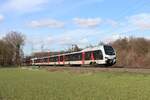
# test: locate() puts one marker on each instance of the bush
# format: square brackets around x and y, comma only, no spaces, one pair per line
[132,52]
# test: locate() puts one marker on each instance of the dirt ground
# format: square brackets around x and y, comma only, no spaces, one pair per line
[77,69]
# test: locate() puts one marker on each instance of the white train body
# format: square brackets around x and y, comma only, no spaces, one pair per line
[103,54]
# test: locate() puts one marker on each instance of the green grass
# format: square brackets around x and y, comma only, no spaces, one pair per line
[21,84]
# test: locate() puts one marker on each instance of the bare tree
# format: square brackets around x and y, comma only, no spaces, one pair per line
[5,53]
[15,42]
[74,48]
[101,43]
[89,46]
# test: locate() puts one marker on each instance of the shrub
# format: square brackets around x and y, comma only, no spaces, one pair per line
[133,52]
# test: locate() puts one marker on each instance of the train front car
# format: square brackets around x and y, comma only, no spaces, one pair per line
[109,55]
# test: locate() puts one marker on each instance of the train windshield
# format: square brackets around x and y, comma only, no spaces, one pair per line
[109,50]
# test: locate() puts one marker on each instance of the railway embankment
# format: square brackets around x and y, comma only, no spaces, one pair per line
[95,69]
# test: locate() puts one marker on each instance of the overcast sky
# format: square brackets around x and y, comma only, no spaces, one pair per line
[56,24]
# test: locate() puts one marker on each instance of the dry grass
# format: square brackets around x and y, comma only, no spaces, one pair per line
[85,70]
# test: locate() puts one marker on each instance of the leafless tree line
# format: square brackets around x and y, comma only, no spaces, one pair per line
[11,49]
[133,52]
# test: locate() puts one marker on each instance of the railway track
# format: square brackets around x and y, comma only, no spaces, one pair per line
[95,69]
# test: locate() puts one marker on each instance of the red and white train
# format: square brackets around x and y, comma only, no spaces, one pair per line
[103,55]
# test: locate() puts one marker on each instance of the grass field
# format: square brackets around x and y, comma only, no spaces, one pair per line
[23,84]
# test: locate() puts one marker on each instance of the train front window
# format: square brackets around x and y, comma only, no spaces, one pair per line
[109,50]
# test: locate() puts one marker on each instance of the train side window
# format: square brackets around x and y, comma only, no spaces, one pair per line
[75,57]
[38,60]
[56,59]
[98,54]
[71,57]
[45,59]
[67,57]
[79,56]
[61,58]
[51,59]
[88,55]
[41,60]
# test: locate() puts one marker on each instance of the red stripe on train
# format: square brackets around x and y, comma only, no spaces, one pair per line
[92,56]
[59,58]
[83,57]
[63,59]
